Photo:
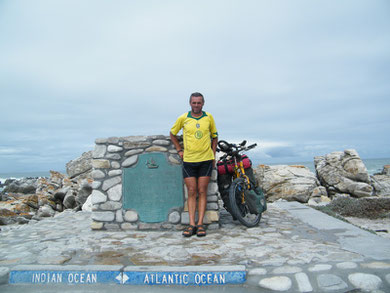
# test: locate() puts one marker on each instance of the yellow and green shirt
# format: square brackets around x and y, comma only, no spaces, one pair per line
[197,134]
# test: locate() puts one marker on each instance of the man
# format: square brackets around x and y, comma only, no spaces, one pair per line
[200,139]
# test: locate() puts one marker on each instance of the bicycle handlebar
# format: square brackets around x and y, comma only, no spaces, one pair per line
[238,148]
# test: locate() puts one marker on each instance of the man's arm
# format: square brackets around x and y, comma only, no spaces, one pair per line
[176,144]
[214,147]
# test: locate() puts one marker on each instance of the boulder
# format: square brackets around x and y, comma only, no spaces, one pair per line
[386,170]
[343,172]
[81,166]
[50,195]
[84,191]
[46,211]
[292,183]
[7,216]
[87,206]
[56,179]
[24,185]
[70,200]
[381,184]
[59,195]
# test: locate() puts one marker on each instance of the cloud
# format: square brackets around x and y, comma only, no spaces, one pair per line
[300,78]
[10,151]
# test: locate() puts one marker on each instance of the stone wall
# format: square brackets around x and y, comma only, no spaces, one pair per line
[110,157]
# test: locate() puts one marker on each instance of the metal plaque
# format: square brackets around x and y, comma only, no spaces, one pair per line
[152,187]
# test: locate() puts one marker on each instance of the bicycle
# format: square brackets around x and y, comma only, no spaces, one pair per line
[234,170]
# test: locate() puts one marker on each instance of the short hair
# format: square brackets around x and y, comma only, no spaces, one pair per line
[196,94]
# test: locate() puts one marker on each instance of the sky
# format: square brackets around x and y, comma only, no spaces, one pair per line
[300,78]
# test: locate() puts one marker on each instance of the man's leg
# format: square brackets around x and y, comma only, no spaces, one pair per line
[191,185]
[203,183]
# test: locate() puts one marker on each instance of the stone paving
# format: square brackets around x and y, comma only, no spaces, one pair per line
[283,253]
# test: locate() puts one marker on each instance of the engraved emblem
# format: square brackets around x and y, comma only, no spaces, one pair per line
[151,164]
[198,134]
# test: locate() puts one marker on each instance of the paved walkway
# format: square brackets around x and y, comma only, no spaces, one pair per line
[294,249]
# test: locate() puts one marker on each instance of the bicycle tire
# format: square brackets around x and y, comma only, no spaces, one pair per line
[240,210]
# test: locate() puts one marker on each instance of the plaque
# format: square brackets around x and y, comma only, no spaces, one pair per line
[152,187]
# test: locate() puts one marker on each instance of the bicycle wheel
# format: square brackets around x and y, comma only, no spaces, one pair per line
[240,209]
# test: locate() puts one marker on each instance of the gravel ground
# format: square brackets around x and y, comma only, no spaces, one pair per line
[371,213]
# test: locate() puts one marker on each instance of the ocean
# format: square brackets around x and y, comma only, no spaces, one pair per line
[19,175]
[372,165]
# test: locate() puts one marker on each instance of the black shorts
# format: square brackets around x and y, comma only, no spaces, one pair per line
[198,169]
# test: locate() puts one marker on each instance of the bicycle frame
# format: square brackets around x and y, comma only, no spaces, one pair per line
[239,171]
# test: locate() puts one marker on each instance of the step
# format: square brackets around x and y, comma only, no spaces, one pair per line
[129,275]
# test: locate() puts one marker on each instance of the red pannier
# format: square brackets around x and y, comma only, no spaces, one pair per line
[228,166]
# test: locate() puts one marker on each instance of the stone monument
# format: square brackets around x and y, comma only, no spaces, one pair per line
[138,185]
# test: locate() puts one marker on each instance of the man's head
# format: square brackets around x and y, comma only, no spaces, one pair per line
[196,94]
[196,103]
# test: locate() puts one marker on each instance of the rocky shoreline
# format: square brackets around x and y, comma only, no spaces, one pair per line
[339,175]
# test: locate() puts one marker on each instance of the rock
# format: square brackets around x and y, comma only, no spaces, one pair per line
[376,265]
[211,216]
[99,151]
[136,143]
[212,188]
[4,274]
[7,217]
[257,272]
[56,179]
[348,265]
[69,200]
[287,270]
[320,267]
[156,149]
[97,174]
[130,161]
[115,193]
[278,283]
[59,195]
[32,201]
[381,184]
[24,185]
[133,152]
[319,191]
[114,149]
[367,207]
[80,165]
[96,225]
[46,211]
[129,226]
[367,282]
[107,184]
[343,172]
[174,217]
[114,172]
[98,197]
[385,171]
[119,216]
[174,159]
[103,216]
[319,201]
[161,142]
[330,282]
[84,191]
[286,182]
[303,281]
[131,216]
[87,206]
[101,164]
[111,206]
